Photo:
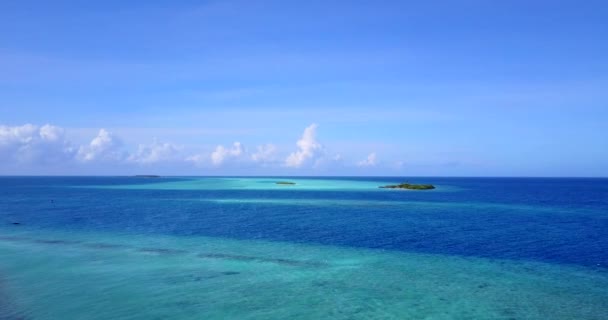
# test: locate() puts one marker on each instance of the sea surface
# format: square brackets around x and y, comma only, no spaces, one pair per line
[324,248]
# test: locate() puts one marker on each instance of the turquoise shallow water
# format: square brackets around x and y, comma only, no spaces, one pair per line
[301,184]
[110,276]
[124,248]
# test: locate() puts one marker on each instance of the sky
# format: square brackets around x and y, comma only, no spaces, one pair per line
[247,87]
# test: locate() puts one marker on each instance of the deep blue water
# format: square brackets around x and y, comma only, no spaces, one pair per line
[550,220]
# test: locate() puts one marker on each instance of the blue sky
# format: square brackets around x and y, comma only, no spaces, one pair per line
[448,88]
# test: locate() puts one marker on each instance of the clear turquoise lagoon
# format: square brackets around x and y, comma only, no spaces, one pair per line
[324,248]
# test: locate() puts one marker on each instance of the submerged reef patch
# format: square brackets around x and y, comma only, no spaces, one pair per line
[281,261]
[162,250]
[169,251]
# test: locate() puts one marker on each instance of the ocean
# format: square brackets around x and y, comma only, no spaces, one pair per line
[324,248]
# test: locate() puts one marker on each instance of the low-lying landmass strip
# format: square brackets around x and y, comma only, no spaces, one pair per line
[289,183]
[409,186]
[146,176]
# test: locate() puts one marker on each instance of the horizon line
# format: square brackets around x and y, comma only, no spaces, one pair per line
[299,176]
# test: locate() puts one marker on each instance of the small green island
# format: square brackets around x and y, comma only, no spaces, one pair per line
[288,183]
[409,186]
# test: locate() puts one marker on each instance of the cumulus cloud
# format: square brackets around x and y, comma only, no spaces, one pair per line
[33,144]
[154,153]
[104,147]
[48,144]
[221,153]
[308,148]
[51,133]
[197,159]
[265,153]
[370,161]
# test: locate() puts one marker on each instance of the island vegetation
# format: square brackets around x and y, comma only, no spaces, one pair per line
[289,183]
[409,186]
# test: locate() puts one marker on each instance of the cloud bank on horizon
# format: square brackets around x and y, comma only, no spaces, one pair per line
[30,147]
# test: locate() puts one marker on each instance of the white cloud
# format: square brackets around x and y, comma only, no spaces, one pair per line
[265,153]
[37,145]
[237,152]
[16,139]
[308,148]
[51,133]
[222,153]
[104,147]
[33,144]
[197,159]
[155,152]
[370,161]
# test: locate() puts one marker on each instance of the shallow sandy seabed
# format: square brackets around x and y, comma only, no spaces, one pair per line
[69,275]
